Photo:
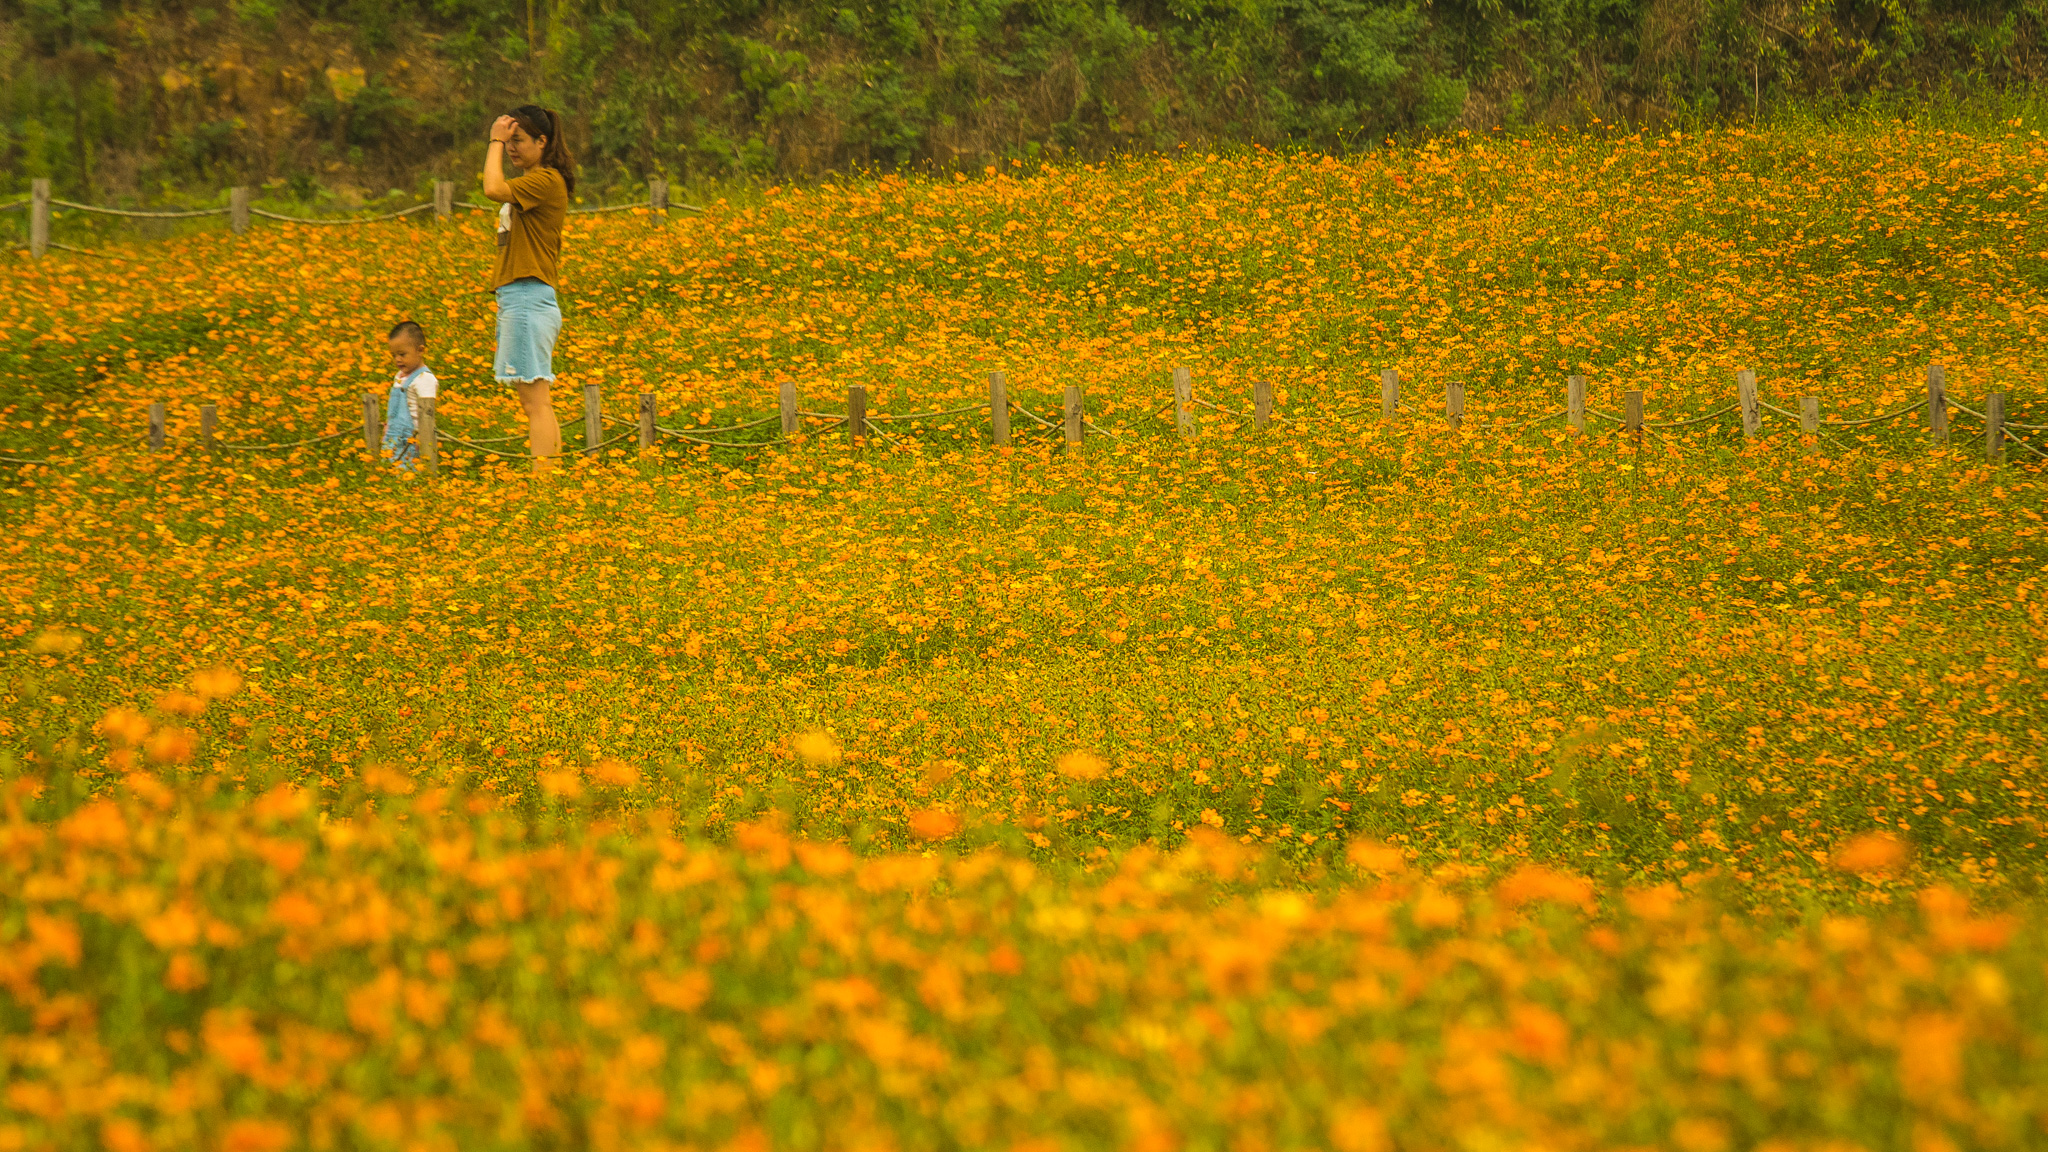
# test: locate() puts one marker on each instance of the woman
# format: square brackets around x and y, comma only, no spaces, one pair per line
[529,255]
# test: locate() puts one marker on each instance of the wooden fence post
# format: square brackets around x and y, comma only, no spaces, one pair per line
[593,419]
[1390,392]
[1937,404]
[998,408]
[238,209]
[647,436]
[856,413]
[429,438]
[444,199]
[1745,395]
[1575,403]
[1809,414]
[657,198]
[1073,406]
[156,426]
[1262,404]
[209,416]
[1184,402]
[1632,416]
[38,217]
[1994,428]
[1454,403]
[373,430]
[786,397]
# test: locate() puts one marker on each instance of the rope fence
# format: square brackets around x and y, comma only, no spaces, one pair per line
[862,426]
[133,215]
[239,211]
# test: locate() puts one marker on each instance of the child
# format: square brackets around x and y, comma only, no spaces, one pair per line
[414,379]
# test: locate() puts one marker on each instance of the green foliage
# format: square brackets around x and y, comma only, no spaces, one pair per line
[761,88]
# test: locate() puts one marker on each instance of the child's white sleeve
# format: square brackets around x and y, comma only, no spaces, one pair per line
[425,384]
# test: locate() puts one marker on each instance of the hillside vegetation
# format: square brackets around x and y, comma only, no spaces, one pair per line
[1356,783]
[140,98]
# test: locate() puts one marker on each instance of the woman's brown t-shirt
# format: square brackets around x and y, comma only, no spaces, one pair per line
[530,228]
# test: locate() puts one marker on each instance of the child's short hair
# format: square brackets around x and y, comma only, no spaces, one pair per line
[409,328]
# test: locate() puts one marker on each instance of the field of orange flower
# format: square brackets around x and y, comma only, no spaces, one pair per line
[1360,784]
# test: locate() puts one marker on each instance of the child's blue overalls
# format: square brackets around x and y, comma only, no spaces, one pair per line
[398,425]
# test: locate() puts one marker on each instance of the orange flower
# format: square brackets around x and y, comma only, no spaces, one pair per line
[180,704]
[1533,882]
[1871,853]
[216,683]
[386,780]
[1080,765]
[561,784]
[251,1135]
[1370,855]
[933,824]
[171,746]
[125,725]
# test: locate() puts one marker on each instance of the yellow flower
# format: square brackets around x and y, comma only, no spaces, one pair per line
[1081,765]
[817,747]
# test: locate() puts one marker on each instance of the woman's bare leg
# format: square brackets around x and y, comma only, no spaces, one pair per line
[543,433]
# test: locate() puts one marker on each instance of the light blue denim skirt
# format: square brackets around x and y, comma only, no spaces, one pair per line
[528,322]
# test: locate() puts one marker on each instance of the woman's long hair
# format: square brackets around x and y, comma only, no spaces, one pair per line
[539,122]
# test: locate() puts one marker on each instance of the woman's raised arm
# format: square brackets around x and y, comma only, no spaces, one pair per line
[495,185]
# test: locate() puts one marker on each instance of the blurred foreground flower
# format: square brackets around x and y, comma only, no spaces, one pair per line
[217,683]
[933,824]
[1373,856]
[817,747]
[1871,852]
[1079,765]
[56,642]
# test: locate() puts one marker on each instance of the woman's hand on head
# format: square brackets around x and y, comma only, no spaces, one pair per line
[501,129]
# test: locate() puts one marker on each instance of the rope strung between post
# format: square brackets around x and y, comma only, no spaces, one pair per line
[80,251]
[1034,415]
[601,446]
[2027,446]
[1087,423]
[138,215]
[1915,406]
[1694,420]
[1969,411]
[1778,410]
[716,443]
[344,220]
[713,431]
[293,444]
[926,415]
[13,206]
[2028,427]
[19,460]
[1398,407]
[487,439]
[1605,416]
[1241,415]
[1528,424]
[606,208]
[479,447]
